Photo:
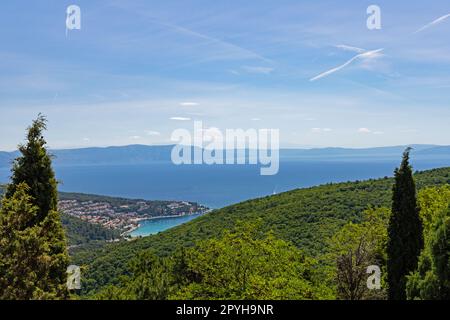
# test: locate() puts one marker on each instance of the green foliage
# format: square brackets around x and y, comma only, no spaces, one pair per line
[243,264]
[34,168]
[356,247]
[305,217]
[31,255]
[81,232]
[33,240]
[405,232]
[150,279]
[246,264]
[432,201]
[431,281]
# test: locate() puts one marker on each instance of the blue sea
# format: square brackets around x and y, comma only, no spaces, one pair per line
[155,226]
[214,186]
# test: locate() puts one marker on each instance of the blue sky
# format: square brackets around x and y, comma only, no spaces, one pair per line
[137,70]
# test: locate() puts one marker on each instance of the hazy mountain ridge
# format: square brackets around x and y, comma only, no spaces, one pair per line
[142,154]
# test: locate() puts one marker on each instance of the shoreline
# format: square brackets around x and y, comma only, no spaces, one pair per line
[128,232]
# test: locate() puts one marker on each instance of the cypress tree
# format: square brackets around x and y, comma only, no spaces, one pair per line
[405,231]
[31,198]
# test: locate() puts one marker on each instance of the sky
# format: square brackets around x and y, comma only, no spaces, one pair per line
[137,70]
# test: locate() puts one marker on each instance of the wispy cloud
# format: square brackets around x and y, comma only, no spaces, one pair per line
[350,48]
[366,55]
[230,47]
[189,104]
[434,23]
[258,70]
[180,119]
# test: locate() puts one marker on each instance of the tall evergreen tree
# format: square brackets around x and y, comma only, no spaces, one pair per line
[34,168]
[405,231]
[31,223]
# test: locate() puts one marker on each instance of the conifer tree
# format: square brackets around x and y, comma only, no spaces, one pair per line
[34,168]
[30,224]
[29,269]
[405,231]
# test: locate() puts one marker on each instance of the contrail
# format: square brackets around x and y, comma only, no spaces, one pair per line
[435,22]
[364,55]
[350,48]
[192,33]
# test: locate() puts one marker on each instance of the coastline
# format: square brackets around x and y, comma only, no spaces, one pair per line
[139,225]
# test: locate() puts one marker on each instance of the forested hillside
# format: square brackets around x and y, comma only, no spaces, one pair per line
[308,218]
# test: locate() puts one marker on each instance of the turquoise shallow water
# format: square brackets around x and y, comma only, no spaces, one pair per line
[154,226]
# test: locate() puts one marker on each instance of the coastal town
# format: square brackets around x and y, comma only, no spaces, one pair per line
[124,215]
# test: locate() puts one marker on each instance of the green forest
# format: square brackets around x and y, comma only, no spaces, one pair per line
[364,240]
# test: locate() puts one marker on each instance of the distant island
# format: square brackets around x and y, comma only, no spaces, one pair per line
[151,154]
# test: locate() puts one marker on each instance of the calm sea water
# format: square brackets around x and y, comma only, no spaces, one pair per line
[157,225]
[214,186]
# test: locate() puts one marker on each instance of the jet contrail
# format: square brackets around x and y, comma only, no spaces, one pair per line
[350,48]
[367,54]
[435,22]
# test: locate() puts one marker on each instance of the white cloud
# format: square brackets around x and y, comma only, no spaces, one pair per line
[135,137]
[378,133]
[180,119]
[255,119]
[189,104]
[364,130]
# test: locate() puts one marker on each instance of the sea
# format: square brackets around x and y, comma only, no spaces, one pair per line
[214,186]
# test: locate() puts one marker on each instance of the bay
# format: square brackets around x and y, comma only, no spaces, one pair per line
[154,226]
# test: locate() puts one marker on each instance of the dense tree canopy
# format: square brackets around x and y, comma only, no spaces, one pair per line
[244,264]
[356,247]
[431,281]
